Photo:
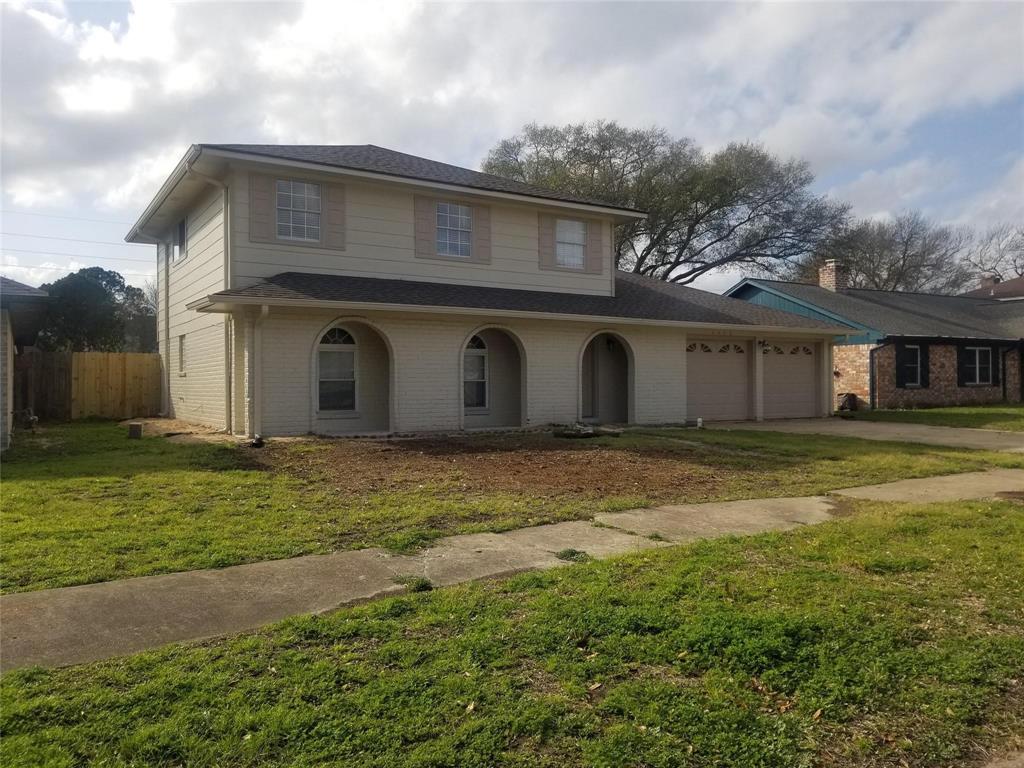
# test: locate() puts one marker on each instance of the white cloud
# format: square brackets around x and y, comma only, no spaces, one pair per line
[1004,202]
[883,194]
[99,93]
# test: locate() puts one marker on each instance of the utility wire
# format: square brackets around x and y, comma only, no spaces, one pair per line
[58,216]
[67,269]
[84,256]
[78,240]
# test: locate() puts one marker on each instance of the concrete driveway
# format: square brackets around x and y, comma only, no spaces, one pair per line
[953,437]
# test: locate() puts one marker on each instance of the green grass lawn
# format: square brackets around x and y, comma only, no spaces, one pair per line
[1002,416]
[892,637]
[83,504]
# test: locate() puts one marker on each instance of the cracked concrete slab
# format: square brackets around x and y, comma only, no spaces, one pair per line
[580,535]
[962,487]
[689,522]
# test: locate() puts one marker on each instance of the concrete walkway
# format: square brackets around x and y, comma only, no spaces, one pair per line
[951,437]
[96,621]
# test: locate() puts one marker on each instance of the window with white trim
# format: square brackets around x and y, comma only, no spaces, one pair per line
[336,371]
[298,210]
[474,374]
[912,365]
[179,243]
[978,365]
[181,355]
[570,243]
[454,230]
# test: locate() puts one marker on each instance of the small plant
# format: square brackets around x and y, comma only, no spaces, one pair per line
[415,583]
[573,555]
[656,537]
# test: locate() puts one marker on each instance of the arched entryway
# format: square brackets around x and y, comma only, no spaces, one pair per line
[493,378]
[351,379]
[605,378]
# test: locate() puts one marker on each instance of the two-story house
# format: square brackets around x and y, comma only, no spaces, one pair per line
[354,289]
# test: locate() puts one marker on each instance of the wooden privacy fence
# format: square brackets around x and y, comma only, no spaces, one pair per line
[79,385]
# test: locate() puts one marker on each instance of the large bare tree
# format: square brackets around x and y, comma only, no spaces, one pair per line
[906,253]
[999,252]
[736,206]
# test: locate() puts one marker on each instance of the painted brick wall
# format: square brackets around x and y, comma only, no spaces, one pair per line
[852,361]
[942,389]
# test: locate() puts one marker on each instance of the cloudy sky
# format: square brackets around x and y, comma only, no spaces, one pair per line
[896,106]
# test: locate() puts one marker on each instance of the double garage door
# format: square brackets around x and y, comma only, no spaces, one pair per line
[718,376]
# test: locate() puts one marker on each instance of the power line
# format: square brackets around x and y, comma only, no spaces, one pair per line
[67,269]
[58,216]
[76,255]
[78,240]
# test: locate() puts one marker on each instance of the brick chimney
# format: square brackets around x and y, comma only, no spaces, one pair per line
[832,276]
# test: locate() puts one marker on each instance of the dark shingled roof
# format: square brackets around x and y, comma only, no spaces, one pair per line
[898,313]
[367,157]
[13,288]
[637,297]
[1006,289]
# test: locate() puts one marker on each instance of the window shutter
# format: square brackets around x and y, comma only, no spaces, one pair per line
[901,366]
[546,239]
[425,226]
[961,367]
[262,208]
[481,250]
[334,216]
[593,260]
[925,367]
[997,362]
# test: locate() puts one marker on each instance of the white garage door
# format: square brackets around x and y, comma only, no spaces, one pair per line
[790,380]
[717,377]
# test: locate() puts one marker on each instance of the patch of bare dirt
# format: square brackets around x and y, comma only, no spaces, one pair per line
[530,463]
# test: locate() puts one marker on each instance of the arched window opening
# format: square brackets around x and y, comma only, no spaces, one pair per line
[474,374]
[336,371]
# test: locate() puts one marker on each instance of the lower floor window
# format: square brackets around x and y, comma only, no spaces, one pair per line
[978,365]
[474,374]
[336,371]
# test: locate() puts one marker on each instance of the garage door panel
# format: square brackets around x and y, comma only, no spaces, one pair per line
[790,380]
[717,376]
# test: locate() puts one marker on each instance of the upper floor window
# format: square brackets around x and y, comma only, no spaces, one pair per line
[978,365]
[336,371]
[570,243]
[912,365]
[474,374]
[298,210]
[454,230]
[179,244]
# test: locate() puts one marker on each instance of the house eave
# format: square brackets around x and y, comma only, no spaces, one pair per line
[214,304]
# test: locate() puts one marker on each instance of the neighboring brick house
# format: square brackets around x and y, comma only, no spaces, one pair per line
[993,287]
[908,350]
[354,289]
[21,315]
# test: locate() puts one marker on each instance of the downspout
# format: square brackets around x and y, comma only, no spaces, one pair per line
[250,375]
[228,321]
[872,384]
[166,301]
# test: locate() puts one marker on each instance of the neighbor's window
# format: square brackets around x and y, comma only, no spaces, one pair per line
[474,374]
[978,365]
[179,246]
[181,354]
[298,210]
[454,230]
[912,365]
[336,371]
[570,239]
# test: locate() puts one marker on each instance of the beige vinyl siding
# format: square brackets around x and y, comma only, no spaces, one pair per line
[198,395]
[380,242]
[426,368]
